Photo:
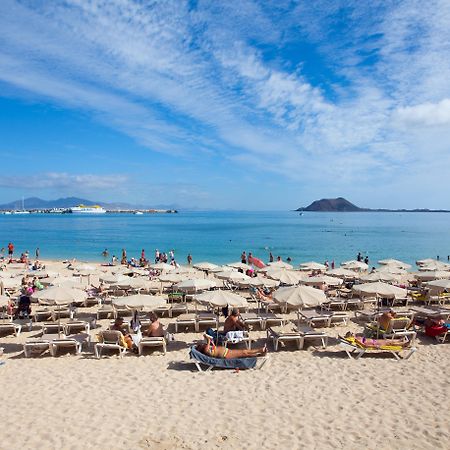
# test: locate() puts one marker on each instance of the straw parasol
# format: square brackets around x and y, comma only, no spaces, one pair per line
[340,272]
[380,276]
[196,284]
[432,275]
[164,267]
[394,262]
[280,265]
[300,296]
[354,265]
[59,296]
[232,276]
[285,276]
[330,281]
[381,289]
[206,266]
[141,302]
[240,265]
[312,265]
[221,299]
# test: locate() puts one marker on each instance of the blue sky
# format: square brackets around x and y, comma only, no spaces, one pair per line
[226,104]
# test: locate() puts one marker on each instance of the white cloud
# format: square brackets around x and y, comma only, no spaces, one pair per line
[426,114]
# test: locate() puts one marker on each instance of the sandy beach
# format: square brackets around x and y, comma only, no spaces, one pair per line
[308,399]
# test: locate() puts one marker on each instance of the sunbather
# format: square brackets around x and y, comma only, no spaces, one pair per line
[368,342]
[118,326]
[222,352]
[385,319]
[232,322]
[155,329]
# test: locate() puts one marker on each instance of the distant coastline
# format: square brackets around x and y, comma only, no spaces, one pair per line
[340,204]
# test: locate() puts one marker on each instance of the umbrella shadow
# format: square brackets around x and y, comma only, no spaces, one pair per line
[182,366]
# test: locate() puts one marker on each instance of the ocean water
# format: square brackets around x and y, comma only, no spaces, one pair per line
[220,237]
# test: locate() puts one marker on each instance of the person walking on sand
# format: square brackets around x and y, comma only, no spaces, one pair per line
[37,253]
[189,259]
[10,249]
[124,257]
[270,257]
[243,258]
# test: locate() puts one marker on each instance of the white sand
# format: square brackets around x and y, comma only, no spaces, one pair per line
[311,399]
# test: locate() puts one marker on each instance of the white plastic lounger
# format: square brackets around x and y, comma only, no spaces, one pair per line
[37,347]
[10,328]
[356,351]
[64,343]
[111,340]
[152,342]
[282,334]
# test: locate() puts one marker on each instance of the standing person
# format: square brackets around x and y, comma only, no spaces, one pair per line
[11,250]
[243,258]
[278,258]
[172,255]
[124,257]
[326,264]
[250,258]
[189,259]
[332,264]
[157,256]
[37,253]
[366,260]
[359,256]
[288,259]
[270,257]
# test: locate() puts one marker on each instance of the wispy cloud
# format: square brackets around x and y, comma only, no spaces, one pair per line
[216,79]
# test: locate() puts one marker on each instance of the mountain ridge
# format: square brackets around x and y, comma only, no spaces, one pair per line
[68,202]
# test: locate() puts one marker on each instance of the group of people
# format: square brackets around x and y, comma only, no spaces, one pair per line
[24,257]
[360,258]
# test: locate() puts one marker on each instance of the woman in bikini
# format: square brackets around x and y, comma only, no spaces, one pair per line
[215,351]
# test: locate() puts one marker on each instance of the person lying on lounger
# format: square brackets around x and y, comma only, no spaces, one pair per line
[232,322]
[369,342]
[215,351]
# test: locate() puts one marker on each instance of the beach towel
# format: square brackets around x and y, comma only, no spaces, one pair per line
[234,363]
[235,336]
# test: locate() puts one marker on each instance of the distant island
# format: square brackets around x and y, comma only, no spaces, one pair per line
[340,204]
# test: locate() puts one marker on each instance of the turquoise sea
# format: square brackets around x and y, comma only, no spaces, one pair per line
[220,236]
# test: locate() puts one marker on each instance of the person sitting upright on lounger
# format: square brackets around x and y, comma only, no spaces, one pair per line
[155,329]
[119,326]
[232,322]
[215,351]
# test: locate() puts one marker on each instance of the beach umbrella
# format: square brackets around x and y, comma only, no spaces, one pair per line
[232,276]
[432,275]
[84,267]
[207,266]
[221,299]
[5,274]
[196,284]
[380,276]
[111,279]
[239,265]
[173,277]
[394,262]
[131,283]
[188,270]
[122,270]
[422,262]
[45,274]
[263,281]
[435,265]
[312,265]
[330,281]
[355,265]
[285,276]
[141,302]
[223,269]
[59,296]
[441,284]
[381,289]
[11,283]
[164,267]
[342,273]
[300,296]
[391,269]
[280,265]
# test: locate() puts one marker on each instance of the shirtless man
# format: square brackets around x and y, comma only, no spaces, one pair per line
[385,319]
[155,329]
[232,322]
[222,352]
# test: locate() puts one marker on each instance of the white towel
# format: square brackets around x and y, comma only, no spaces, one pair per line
[235,336]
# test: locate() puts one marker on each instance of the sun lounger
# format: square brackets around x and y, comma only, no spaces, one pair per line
[338,317]
[308,333]
[10,328]
[75,327]
[37,346]
[52,328]
[282,334]
[186,320]
[42,314]
[313,318]
[269,318]
[105,311]
[65,343]
[355,349]
[206,319]
[110,340]
[222,363]
[398,327]
[252,319]
[152,342]
[62,313]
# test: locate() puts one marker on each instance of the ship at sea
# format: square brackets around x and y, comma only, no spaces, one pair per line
[83,209]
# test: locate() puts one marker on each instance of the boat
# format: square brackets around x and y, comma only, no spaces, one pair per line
[138,213]
[83,209]
[21,211]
